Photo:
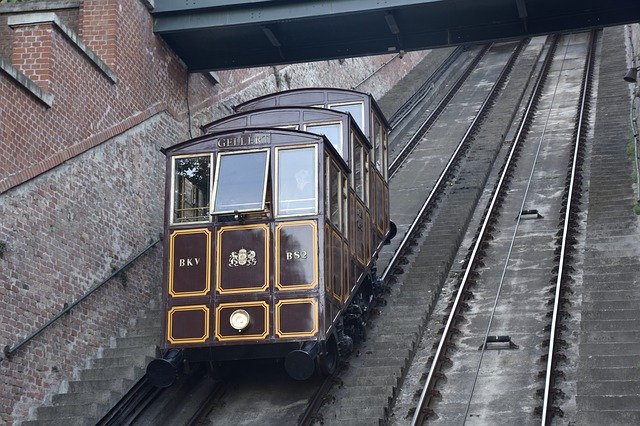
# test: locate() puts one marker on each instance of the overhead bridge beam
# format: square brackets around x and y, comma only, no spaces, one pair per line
[222,34]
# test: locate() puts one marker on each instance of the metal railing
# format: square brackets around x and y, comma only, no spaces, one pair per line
[9,351]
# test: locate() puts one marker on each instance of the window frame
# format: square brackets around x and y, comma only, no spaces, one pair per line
[346,103]
[328,123]
[173,187]
[214,192]
[358,146]
[336,223]
[276,192]
[377,144]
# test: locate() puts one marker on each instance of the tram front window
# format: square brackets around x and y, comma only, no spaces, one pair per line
[191,177]
[297,185]
[241,179]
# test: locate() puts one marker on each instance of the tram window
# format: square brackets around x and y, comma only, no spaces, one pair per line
[357,174]
[191,189]
[356,109]
[333,132]
[345,210]
[366,179]
[297,184]
[385,155]
[241,179]
[377,143]
[334,195]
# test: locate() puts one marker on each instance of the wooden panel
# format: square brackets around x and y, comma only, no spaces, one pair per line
[361,230]
[327,260]
[189,262]
[352,224]
[368,236]
[188,324]
[242,259]
[296,255]
[346,275]
[379,204]
[297,318]
[336,266]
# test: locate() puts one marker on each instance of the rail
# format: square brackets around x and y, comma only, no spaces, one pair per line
[583,111]
[453,159]
[427,392]
[424,89]
[10,351]
[408,147]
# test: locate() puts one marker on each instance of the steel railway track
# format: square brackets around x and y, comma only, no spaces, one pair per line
[407,244]
[453,331]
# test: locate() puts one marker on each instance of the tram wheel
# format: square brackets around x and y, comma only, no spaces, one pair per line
[328,361]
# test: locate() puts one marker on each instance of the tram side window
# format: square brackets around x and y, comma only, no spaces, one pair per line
[345,206]
[333,132]
[297,183]
[191,188]
[366,178]
[385,155]
[356,109]
[377,143]
[358,169]
[240,181]
[334,195]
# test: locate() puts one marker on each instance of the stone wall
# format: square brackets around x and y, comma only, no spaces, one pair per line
[633,50]
[82,177]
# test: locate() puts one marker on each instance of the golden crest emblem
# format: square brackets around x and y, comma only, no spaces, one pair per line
[242,257]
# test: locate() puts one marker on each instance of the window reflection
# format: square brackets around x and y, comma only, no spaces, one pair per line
[334,195]
[377,145]
[356,110]
[191,183]
[333,132]
[357,169]
[297,185]
[240,181]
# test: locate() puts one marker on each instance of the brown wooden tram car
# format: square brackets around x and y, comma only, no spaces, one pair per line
[270,232]
[362,107]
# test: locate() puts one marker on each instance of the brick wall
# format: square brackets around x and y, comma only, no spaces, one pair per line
[81,183]
[31,53]
[68,16]
[99,26]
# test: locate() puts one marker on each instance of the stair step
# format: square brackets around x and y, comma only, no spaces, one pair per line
[149,321]
[109,373]
[117,385]
[98,396]
[58,411]
[136,342]
[66,421]
[131,351]
[123,361]
[155,331]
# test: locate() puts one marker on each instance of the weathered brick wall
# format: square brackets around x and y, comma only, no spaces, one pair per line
[68,16]
[90,183]
[64,232]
